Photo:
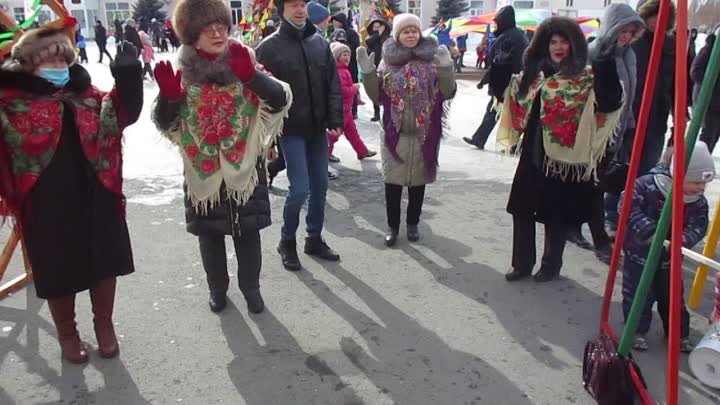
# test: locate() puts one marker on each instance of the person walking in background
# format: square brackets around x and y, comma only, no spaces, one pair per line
[548,105]
[101,40]
[341,54]
[378,32]
[481,52]
[340,20]
[504,59]
[118,31]
[621,25]
[81,46]
[147,53]
[711,122]
[319,16]
[417,73]
[223,113]
[301,58]
[462,47]
[65,191]
[131,34]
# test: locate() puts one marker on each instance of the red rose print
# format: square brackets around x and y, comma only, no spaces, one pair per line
[192,151]
[36,144]
[211,139]
[23,123]
[224,130]
[233,157]
[207,166]
[240,146]
[553,84]
[25,181]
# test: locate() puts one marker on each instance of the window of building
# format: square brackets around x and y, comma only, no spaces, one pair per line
[477,7]
[607,2]
[569,3]
[236,9]
[568,13]
[414,7]
[19,14]
[117,11]
[524,4]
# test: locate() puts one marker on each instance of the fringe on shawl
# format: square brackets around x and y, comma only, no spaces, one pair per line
[266,123]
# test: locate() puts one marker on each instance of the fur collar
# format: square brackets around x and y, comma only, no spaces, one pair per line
[199,70]
[395,54]
[12,77]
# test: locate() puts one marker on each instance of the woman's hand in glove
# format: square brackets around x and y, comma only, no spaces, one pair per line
[365,62]
[442,57]
[170,82]
[126,56]
[241,63]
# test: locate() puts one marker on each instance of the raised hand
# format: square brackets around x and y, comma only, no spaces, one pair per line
[365,61]
[170,82]
[442,57]
[241,63]
[127,55]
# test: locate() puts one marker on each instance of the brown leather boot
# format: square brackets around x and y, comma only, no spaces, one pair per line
[102,296]
[63,314]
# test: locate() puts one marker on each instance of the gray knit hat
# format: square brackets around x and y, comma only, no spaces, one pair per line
[338,48]
[40,44]
[192,16]
[702,167]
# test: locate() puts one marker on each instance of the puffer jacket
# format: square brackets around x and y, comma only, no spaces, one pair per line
[348,88]
[229,218]
[506,53]
[647,204]
[304,61]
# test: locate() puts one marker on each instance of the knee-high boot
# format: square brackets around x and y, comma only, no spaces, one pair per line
[63,314]
[102,296]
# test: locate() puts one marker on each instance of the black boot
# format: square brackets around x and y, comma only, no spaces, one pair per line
[413,234]
[316,246]
[516,275]
[217,301]
[288,253]
[604,253]
[544,275]
[391,237]
[376,115]
[255,303]
[577,238]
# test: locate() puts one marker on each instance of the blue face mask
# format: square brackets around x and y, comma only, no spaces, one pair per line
[58,77]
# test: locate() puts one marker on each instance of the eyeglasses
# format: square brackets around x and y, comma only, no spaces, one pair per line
[212,29]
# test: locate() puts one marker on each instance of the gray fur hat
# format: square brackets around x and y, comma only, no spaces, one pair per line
[192,16]
[40,44]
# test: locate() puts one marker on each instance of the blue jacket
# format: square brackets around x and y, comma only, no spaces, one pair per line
[647,203]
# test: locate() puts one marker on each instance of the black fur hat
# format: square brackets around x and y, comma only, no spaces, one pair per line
[192,16]
[537,54]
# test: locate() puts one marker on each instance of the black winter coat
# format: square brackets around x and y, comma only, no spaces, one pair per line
[304,61]
[100,35]
[664,88]
[132,36]
[547,198]
[697,73]
[506,55]
[353,42]
[228,218]
[376,40]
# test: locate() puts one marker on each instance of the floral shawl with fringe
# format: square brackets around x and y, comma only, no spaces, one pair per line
[575,135]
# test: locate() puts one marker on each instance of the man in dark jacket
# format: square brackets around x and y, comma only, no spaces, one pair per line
[711,123]
[131,34]
[118,31]
[505,59]
[297,55]
[101,40]
[378,32]
[340,20]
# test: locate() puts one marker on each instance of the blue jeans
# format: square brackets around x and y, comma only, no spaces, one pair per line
[307,171]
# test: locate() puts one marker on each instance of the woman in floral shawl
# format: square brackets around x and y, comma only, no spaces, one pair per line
[223,114]
[412,82]
[566,113]
[61,177]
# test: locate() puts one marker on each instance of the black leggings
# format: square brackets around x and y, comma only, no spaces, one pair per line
[393,198]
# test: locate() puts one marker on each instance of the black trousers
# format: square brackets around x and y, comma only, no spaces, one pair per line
[711,129]
[523,252]
[247,252]
[482,134]
[393,198]
[103,51]
[597,221]
[376,110]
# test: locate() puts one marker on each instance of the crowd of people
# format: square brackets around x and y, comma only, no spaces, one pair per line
[568,109]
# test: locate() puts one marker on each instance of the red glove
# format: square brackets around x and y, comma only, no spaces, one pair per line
[170,82]
[241,63]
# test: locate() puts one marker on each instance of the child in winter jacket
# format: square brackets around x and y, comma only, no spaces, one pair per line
[147,53]
[341,53]
[651,190]
[81,45]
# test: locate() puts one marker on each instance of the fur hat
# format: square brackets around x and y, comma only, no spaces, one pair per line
[317,13]
[405,20]
[38,45]
[192,16]
[338,48]
[649,8]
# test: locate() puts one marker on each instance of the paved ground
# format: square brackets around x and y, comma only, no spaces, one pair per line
[427,323]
